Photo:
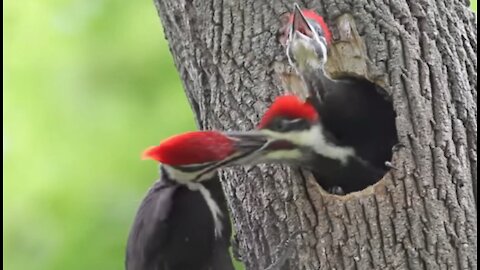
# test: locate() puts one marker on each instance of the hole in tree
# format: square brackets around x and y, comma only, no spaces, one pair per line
[361,117]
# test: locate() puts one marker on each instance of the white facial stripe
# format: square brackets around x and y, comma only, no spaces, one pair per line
[328,150]
[315,138]
[212,205]
[180,176]
[184,177]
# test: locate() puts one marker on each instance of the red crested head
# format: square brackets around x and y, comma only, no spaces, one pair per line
[289,107]
[191,148]
[312,16]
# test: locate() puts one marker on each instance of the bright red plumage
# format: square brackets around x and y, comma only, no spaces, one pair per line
[312,15]
[191,148]
[289,107]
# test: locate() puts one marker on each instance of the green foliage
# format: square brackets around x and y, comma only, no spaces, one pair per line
[88,86]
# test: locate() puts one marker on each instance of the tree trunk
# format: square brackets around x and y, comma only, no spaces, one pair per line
[422,215]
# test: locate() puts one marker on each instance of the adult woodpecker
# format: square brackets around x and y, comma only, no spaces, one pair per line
[298,135]
[352,109]
[182,223]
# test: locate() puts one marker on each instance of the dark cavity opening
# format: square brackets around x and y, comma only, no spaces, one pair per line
[359,114]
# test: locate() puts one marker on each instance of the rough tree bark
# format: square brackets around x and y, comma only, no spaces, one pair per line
[422,215]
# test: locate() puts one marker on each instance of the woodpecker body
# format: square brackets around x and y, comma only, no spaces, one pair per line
[303,139]
[174,229]
[182,223]
[358,116]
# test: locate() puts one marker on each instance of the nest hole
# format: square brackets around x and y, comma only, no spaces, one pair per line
[366,121]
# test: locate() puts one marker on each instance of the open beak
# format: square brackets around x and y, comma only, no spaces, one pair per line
[308,45]
[300,26]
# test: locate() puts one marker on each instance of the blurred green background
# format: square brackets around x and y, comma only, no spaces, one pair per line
[87,86]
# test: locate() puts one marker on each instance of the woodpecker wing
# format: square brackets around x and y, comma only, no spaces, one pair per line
[173,230]
[148,235]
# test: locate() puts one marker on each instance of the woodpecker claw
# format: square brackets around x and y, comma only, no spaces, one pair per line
[390,165]
[337,190]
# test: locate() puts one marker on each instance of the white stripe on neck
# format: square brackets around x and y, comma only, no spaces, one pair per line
[212,205]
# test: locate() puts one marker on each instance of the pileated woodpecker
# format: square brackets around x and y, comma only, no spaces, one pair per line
[182,223]
[352,109]
[298,135]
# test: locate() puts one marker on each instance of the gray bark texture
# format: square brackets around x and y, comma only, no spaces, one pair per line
[421,215]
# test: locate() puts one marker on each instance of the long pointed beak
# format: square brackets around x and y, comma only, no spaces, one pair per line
[248,140]
[256,146]
[308,44]
[257,141]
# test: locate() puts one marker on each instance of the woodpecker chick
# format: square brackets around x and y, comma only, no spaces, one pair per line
[306,38]
[297,135]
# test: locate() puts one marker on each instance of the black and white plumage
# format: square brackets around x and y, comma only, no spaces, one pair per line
[174,229]
[304,139]
[183,222]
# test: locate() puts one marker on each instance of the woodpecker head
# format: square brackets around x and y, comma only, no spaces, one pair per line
[195,156]
[307,39]
[294,134]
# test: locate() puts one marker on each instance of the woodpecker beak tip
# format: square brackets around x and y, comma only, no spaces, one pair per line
[299,20]
[297,10]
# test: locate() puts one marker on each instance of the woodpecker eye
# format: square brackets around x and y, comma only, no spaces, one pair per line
[281,125]
[286,125]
